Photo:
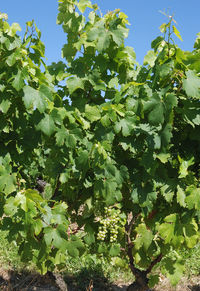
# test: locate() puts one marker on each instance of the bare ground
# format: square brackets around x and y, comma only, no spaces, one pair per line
[13,281]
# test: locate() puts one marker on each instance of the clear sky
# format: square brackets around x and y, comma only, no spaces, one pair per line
[144,17]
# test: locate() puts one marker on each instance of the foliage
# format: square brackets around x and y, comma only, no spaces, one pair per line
[117,136]
[92,266]
[192,258]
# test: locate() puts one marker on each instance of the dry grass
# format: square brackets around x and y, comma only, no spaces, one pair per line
[186,284]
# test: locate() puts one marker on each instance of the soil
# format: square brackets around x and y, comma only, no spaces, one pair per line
[13,281]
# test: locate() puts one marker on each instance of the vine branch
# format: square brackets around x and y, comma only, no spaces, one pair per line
[153,263]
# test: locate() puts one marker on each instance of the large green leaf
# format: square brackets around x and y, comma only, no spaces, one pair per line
[96,31]
[13,57]
[171,100]
[7,178]
[156,116]
[82,161]
[103,41]
[175,231]
[10,208]
[191,84]
[5,105]
[166,69]
[114,250]
[171,230]
[118,36]
[92,113]
[181,196]
[125,125]
[193,198]
[184,165]
[69,52]
[18,81]
[53,237]
[63,136]
[14,28]
[75,246]
[168,189]
[100,34]
[150,59]
[166,134]
[38,226]
[144,237]
[155,108]
[175,269]
[47,125]
[83,4]
[34,99]
[74,83]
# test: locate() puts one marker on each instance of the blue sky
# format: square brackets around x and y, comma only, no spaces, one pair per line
[144,17]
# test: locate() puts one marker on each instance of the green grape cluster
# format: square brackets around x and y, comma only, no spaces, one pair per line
[110,224]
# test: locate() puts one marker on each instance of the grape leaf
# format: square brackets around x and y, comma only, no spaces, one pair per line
[114,250]
[52,237]
[38,226]
[193,198]
[156,116]
[5,105]
[174,269]
[83,4]
[144,237]
[125,125]
[150,59]
[34,99]
[74,83]
[103,41]
[171,230]
[176,32]
[191,84]
[14,28]
[18,81]
[7,181]
[92,113]
[118,36]
[181,196]
[47,125]
[163,157]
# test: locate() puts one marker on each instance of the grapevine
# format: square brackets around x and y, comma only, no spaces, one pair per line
[101,142]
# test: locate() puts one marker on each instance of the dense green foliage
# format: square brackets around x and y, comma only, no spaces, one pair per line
[117,145]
